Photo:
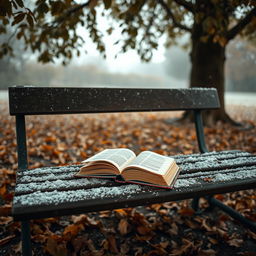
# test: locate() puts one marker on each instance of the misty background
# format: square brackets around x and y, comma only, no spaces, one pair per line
[169,68]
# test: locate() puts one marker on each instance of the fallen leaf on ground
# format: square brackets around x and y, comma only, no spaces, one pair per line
[6,239]
[5,210]
[123,226]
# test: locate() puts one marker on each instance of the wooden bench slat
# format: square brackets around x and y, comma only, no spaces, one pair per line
[139,197]
[57,100]
[61,185]
[53,176]
[227,154]
[54,201]
[83,183]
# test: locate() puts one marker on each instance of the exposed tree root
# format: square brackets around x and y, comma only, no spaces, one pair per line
[210,118]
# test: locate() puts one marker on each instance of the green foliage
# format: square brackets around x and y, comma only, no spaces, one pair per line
[50,28]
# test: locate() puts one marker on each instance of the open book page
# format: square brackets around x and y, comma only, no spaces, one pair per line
[119,157]
[152,162]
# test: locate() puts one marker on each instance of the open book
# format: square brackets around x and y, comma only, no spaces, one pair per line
[147,168]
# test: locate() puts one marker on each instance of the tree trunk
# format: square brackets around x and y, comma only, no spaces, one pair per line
[208,62]
[207,70]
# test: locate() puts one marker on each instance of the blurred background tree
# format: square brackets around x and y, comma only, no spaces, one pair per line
[50,29]
[241,66]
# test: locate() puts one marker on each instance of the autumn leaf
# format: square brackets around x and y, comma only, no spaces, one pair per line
[55,248]
[6,239]
[235,242]
[50,139]
[174,229]
[207,179]
[3,190]
[78,243]
[72,230]
[112,244]
[207,226]
[17,248]
[187,246]
[143,230]
[5,220]
[123,226]
[77,219]
[208,252]
[219,197]
[186,211]
[37,229]
[47,148]
[104,214]
[155,207]
[5,210]
[83,155]
[120,213]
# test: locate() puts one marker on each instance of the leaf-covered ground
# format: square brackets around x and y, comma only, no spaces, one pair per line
[171,228]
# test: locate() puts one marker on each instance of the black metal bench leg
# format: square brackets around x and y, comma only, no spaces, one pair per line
[195,203]
[234,214]
[25,238]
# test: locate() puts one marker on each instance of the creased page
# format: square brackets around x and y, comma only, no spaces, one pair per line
[119,157]
[153,162]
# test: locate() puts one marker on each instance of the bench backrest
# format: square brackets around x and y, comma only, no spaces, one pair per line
[47,100]
[30,100]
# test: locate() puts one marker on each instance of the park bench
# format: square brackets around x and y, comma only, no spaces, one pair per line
[54,191]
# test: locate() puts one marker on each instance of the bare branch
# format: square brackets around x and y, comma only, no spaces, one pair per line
[72,10]
[188,6]
[241,25]
[172,17]
[151,21]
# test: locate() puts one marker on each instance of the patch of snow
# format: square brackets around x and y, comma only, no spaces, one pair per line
[57,185]
[51,170]
[56,197]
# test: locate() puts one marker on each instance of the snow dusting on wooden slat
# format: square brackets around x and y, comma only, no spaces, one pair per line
[196,179]
[49,177]
[225,154]
[57,197]
[59,185]
[214,172]
[181,183]
[218,155]
[214,163]
[55,185]
[50,170]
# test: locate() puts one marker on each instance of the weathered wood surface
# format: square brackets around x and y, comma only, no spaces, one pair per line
[50,100]
[54,191]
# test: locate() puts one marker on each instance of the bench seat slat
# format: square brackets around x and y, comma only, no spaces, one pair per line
[61,185]
[140,196]
[57,100]
[46,198]
[188,179]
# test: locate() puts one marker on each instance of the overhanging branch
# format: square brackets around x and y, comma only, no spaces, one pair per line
[71,11]
[188,6]
[172,17]
[241,25]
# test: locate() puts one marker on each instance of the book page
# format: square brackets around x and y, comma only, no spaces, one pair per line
[152,162]
[119,157]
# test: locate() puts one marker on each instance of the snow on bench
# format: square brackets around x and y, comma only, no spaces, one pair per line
[55,185]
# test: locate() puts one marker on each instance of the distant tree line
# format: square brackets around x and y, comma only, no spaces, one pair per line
[84,75]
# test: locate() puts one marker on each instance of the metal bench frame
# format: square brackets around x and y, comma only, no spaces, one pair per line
[29,100]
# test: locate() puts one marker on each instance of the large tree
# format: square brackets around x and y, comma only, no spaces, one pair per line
[51,29]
